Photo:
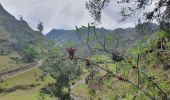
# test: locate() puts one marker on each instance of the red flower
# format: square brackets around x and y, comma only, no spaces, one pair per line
[71,52]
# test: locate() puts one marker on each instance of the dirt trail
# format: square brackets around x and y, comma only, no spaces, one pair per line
[19,71]
[75,85]
[74,97]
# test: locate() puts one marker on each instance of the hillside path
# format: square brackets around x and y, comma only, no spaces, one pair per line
[74,97]
[19,71]
[75,85]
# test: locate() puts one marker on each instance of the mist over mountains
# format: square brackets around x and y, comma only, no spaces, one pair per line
[19,31]
[128,34]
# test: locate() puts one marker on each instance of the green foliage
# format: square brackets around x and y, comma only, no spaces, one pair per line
[162,34]
[108,83]
[168,45]
[128,97]
[30,53]
[92,92]
[139,49]
[97,58]
[151,42]
[65,90]
[69,44]
[59,89]
[62,71]
[62,86]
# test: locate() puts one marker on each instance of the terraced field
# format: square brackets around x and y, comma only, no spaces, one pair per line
[30,84]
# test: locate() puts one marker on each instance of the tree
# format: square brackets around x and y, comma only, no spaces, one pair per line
[22,21]
[30,53]
[124,66]
[40,27]
[62,87]
[95,8]
[21,18]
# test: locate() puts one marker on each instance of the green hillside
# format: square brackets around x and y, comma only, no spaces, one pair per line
[15,37]
[21,79]
[87,63]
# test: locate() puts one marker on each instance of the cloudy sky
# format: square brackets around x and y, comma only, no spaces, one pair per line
[63,14]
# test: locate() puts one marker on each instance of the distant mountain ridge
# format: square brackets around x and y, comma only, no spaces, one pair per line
[127,34]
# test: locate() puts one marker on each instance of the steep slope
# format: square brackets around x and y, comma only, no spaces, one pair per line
[15,36]
[18,30]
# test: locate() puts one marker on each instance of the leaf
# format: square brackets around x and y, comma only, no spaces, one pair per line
[162,34]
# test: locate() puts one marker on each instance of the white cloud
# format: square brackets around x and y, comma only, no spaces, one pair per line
[63,13]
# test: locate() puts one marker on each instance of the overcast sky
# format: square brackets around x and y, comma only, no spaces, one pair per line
[64,14]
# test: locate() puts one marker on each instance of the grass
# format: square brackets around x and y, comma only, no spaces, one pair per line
[82,90]
[26,79]
[121,89]
[6,52]
[7,64]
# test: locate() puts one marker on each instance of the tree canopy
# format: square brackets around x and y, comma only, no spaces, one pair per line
[40,27]
[95,8]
